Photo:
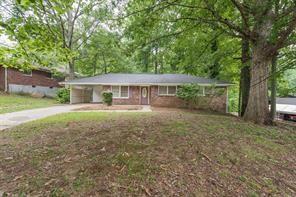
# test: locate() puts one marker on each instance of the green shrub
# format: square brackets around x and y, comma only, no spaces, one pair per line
[189,92]
[233,93]
[63,95]
[107,98]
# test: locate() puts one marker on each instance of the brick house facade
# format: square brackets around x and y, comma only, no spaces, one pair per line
[212,102]
[148,89]
[15,81]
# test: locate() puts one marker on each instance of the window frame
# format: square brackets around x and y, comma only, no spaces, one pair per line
[120,97]
[203,91]
[167,90]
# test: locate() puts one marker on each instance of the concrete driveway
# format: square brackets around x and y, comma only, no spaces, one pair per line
[9,120]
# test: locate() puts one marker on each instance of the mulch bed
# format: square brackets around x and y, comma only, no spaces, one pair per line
[112,107]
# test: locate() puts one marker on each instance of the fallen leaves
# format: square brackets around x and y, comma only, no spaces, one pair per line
[17,178]
[146,190]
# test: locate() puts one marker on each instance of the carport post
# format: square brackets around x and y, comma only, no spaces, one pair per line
[70,94]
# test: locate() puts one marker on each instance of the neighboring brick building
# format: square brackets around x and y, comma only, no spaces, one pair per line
[35,81]
[147,89]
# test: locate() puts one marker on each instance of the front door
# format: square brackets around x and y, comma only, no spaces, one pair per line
[144,96]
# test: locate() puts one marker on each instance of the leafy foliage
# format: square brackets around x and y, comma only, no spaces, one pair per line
[198,37]
[107,97]
[189,92]
[233,99]
[63,95]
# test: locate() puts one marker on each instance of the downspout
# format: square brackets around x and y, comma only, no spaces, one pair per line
[6,80]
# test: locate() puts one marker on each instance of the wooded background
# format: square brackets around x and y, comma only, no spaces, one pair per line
[248,42]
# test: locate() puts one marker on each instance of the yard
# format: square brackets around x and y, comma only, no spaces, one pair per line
[12,103]
[165,153]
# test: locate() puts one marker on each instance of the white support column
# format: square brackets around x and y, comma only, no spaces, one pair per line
[70,94]
[6,79]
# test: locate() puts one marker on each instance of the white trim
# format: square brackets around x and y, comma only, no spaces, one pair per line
[148,94]
[5,79]
[120,97]
[144,84]
[167,90]
[71,89]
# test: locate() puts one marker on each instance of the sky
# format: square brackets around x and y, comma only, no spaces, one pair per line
[4,41]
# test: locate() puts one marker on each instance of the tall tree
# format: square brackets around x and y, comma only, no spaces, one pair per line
[103,53]
[66,25]
[259,30]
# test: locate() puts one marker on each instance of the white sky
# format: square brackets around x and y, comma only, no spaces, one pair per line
[4,41]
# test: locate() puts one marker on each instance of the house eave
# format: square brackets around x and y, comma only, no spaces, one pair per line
[142,84]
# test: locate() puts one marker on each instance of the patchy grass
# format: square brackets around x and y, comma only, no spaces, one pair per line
[12,103]
[160,153]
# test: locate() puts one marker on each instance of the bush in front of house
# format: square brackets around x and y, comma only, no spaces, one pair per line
[189,93]
[63,95]
[107,98]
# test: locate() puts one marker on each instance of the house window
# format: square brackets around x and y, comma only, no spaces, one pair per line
[167,90]
[27,73]
[120,91]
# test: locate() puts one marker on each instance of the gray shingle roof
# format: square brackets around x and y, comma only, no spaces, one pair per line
[286,101]
[145,79]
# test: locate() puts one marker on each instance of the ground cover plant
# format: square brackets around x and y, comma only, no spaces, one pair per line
[171,153]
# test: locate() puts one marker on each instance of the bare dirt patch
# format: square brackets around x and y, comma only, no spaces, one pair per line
[105,107]
[148,154]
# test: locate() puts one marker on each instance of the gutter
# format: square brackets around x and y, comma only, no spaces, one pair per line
[5,79]
[141,84]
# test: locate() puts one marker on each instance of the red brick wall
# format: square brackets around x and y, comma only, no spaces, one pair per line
[215,103]
[2,78]
[38,78]
[164,101]
[134,96]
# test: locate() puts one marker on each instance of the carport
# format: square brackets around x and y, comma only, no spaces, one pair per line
[85,93]
[80,94]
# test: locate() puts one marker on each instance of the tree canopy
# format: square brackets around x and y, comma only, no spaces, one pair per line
[234,40]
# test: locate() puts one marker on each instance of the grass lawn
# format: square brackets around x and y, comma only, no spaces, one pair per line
[12,103]
[159,153]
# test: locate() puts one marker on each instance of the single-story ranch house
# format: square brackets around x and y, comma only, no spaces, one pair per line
[33,81]
[145,89]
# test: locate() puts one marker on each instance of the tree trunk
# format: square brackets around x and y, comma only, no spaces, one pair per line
[95,64]
[214,69]
[145,57]
[105,63]
[161,65]
[71,70]
[156,61]
[244,77]
[257,108]
[94,69]
[244,89]
[273,89]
